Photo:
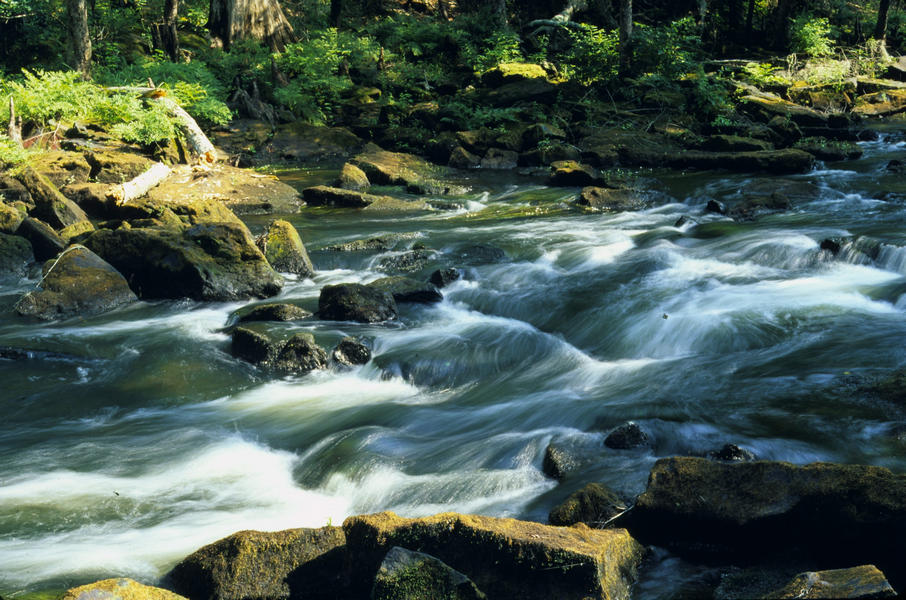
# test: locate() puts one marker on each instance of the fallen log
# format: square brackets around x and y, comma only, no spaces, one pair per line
[141,185]
[14,131]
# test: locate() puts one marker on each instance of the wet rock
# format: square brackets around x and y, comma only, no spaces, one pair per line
[273,312]
[93,198]
[406,289]
[715,206]
[594,505]
[306,143]
[323,195]
[557,462]
[683,221]
[300,354]
[865,581]
[627,436]
[460,158]
[495,158]
[15,254]
[609,199]
[350,352]
[253,346]
[548,154]
[353,178]
[831,511]
[831,245]
[45,242]
[542,133]
[283,248]
[479,254]
[356,302]
[733,143]
[396,168]
[51,206]
[116,166]
[215,262]
[752,207]
[77,283]
[256,565]
[786,130]
[881,104]
[119,589]
[505,558]
[405,262]
[384,242]
[10,218]
[732,453]
[408,575]
[444,277]
[568,173]
[829,150]
[896,166]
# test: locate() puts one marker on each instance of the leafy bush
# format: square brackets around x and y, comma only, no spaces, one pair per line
[671,50]
[45,97]
[593,57]
[811,36]
[763,74]
[499,47]
[11,154]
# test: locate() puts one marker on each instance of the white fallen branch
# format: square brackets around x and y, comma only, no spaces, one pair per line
[141,185]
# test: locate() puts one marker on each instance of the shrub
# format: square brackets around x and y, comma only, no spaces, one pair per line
[811,36]
[11,153]
[593,56]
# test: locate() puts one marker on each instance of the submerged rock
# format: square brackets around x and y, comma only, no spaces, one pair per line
[479,254]
[356,302]
[444,277]
[283,248]
[405,262]
[627,436]
[409,575]
[119,589]
[77,283]
[256,565]
[350,352]
[505,558]
[594,505]
[406,289]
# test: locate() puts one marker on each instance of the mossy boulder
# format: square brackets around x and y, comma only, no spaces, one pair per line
[62,168]
[496,158]
[45,242]
[116,166]
[444,277]
[254,346]
[512,72]
[409,261]
[881,104]
[460,158]
[767,107]
[569,173]
[353,178]
[119,589]
[609,199]
[77,283]
[356,302]
[73,232]
[303,142]
[831,511]
[51,206]
[406,289]
[94,198]
[829,150]
[409,575]
[525,91]
[10,218]
[788,160]
[594,505]
[478,140]
[865,581]
[272,312]
[627,436]
[558,462]
[325,195]
[300,354]
[213,262]
[549,153]
[350,352]
[15,254]
[505,558]
[541,133]
[398,168]
[282,246]
[256,565]
[733,143]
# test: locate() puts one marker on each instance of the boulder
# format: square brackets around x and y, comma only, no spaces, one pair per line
[526,91]
[549,153]
[768,106]
[716,206]
[51,206]
[512,72]
[753,206]
[350,352]
[397,168]
[273,312]
[870,85]
[405,262]
[786,131]
[829,150]
[76,231]
[557,462]
[594,505]
[569,173]
[542,133]
[495,158]
[479,254]
[829,511]
[283,248]
[116,166]
[62,168]
[460,158]
[93,198]
[881,104]
[897,69]
[45,242]
[444,277]
[77,283]
[300,354]
[380,243]
[13,191]
[353,178]
[15,254]
[505,558]
[253,346]
[406,289]
[732,453]
[608,199]
[119,589]
[408,575]
[356,302]
[10,218]
[865,581]
[324,195]
[788,160]
[211,262]
[477,140]
[733,143]
[306,143]
[627,436]
[256,565]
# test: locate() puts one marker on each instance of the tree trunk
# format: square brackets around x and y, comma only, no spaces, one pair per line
[140,185]
[79,47]
[336,9]
[881,25]
[750,17]
[625,36]
[233,20]
[782,16]
[164,35]
[500,12]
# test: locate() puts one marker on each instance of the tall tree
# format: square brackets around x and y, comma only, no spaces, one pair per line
[164,35]
[782,16]
[78,53]
[500,12]
[625,36]
[881,25]
[336,10]
[233,20]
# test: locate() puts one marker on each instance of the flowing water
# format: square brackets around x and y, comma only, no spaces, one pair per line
[131,439]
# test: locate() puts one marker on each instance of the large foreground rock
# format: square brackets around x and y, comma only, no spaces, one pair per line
[119,589]
[213,262]
[593,505]
[51,206]
[865,581]
[77,283]
[843,512]
[282,246]
[398,168]
[256,565]
[505,558]
[356,302]
[409,575]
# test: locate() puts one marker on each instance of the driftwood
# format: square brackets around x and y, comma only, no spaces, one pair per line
[561,19]
[14,131]
[141,185]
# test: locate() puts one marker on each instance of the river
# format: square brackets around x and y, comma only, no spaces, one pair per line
[131,439]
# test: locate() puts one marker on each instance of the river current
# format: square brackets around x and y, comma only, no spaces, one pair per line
[131,439]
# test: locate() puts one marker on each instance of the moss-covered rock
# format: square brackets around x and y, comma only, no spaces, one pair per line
[523,91]
[558,462]
[325,195]
[406,289]
[72,232]
[788,160]
[733,143]
[843,512]
[594,505]
[281,245]
[272,312]
[767,107]
[408,575]
[45,242]
[214,262]
[398,168]
[609,199]
[478,140]
[62,168]
[512,72]
[15,254]
[549,153]
[356,302]
[496,158]
[569,173]
[829,150]
[77,283]
[353,178]
[350,352]
[865,581]
[881,104]
[51,206]
[460,158]
[116,166]
[10,218]
[94,198]
[506,558]
[119,589]
[253,346]
[304,142]
[255,565]
[300,354]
